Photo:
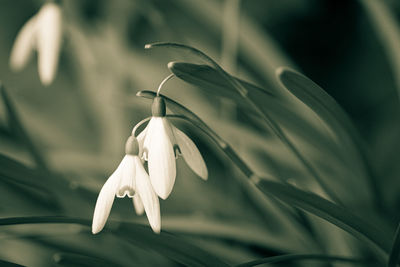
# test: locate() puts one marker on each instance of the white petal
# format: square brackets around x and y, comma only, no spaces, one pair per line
[138,204]
[161,158]
[191,154]
[126,185]
[105,201]
[140,138]
[147,195]
[49,41]
[24,45]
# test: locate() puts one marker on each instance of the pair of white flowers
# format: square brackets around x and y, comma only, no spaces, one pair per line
[159,144]
[41,33]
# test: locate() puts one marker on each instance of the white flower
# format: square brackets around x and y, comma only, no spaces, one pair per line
[160,142]
[42,33]
[129,179]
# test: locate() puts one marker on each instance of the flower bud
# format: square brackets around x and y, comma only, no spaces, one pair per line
[158,109]
[132,146]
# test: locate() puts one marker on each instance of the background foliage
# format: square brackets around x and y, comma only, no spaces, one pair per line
[59,144]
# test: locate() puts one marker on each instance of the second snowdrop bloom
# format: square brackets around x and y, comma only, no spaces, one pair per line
[42,33]
[162,143]
[129,179]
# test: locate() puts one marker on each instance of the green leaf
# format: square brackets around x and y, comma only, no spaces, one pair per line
[165,243]
[333,115]
[29,183]
[328,211]
[9,264]
[258,102]
[72,259]
[387,29]
[298,257]
[18,129]
[395,251]
[208,79]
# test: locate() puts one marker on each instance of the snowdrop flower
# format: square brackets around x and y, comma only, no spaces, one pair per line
[42,33]
[161,142]
[129,179]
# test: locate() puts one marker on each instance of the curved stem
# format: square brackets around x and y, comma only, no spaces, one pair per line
[138,125]
[163,82]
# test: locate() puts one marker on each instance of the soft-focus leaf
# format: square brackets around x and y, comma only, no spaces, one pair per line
[388,31]
[331,113]
[328,211]
[211,81]
[165,243]
[9,264]
[395,251]
[28,182]
[299,257]
[18,129]
[70,259]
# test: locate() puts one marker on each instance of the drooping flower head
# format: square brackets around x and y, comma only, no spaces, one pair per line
[42,33]
[162,143]
[129,179]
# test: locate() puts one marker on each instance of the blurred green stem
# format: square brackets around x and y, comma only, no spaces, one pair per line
[386,28]
[230,26]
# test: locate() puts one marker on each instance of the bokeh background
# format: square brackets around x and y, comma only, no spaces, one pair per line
[79,125]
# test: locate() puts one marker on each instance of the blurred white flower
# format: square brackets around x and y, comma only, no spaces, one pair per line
[129,179]
[42,33]
[162,142]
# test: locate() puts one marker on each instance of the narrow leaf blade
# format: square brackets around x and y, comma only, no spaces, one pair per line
[395,252]
[18,129]
[328,211]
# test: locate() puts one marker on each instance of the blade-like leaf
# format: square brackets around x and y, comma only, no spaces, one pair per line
[165,243]
[332,114]
[28,182]
[387,29]
[18,129]
[71,259]
[299,257]
[208,79]
[395,252]
[9,264]
[328,211]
